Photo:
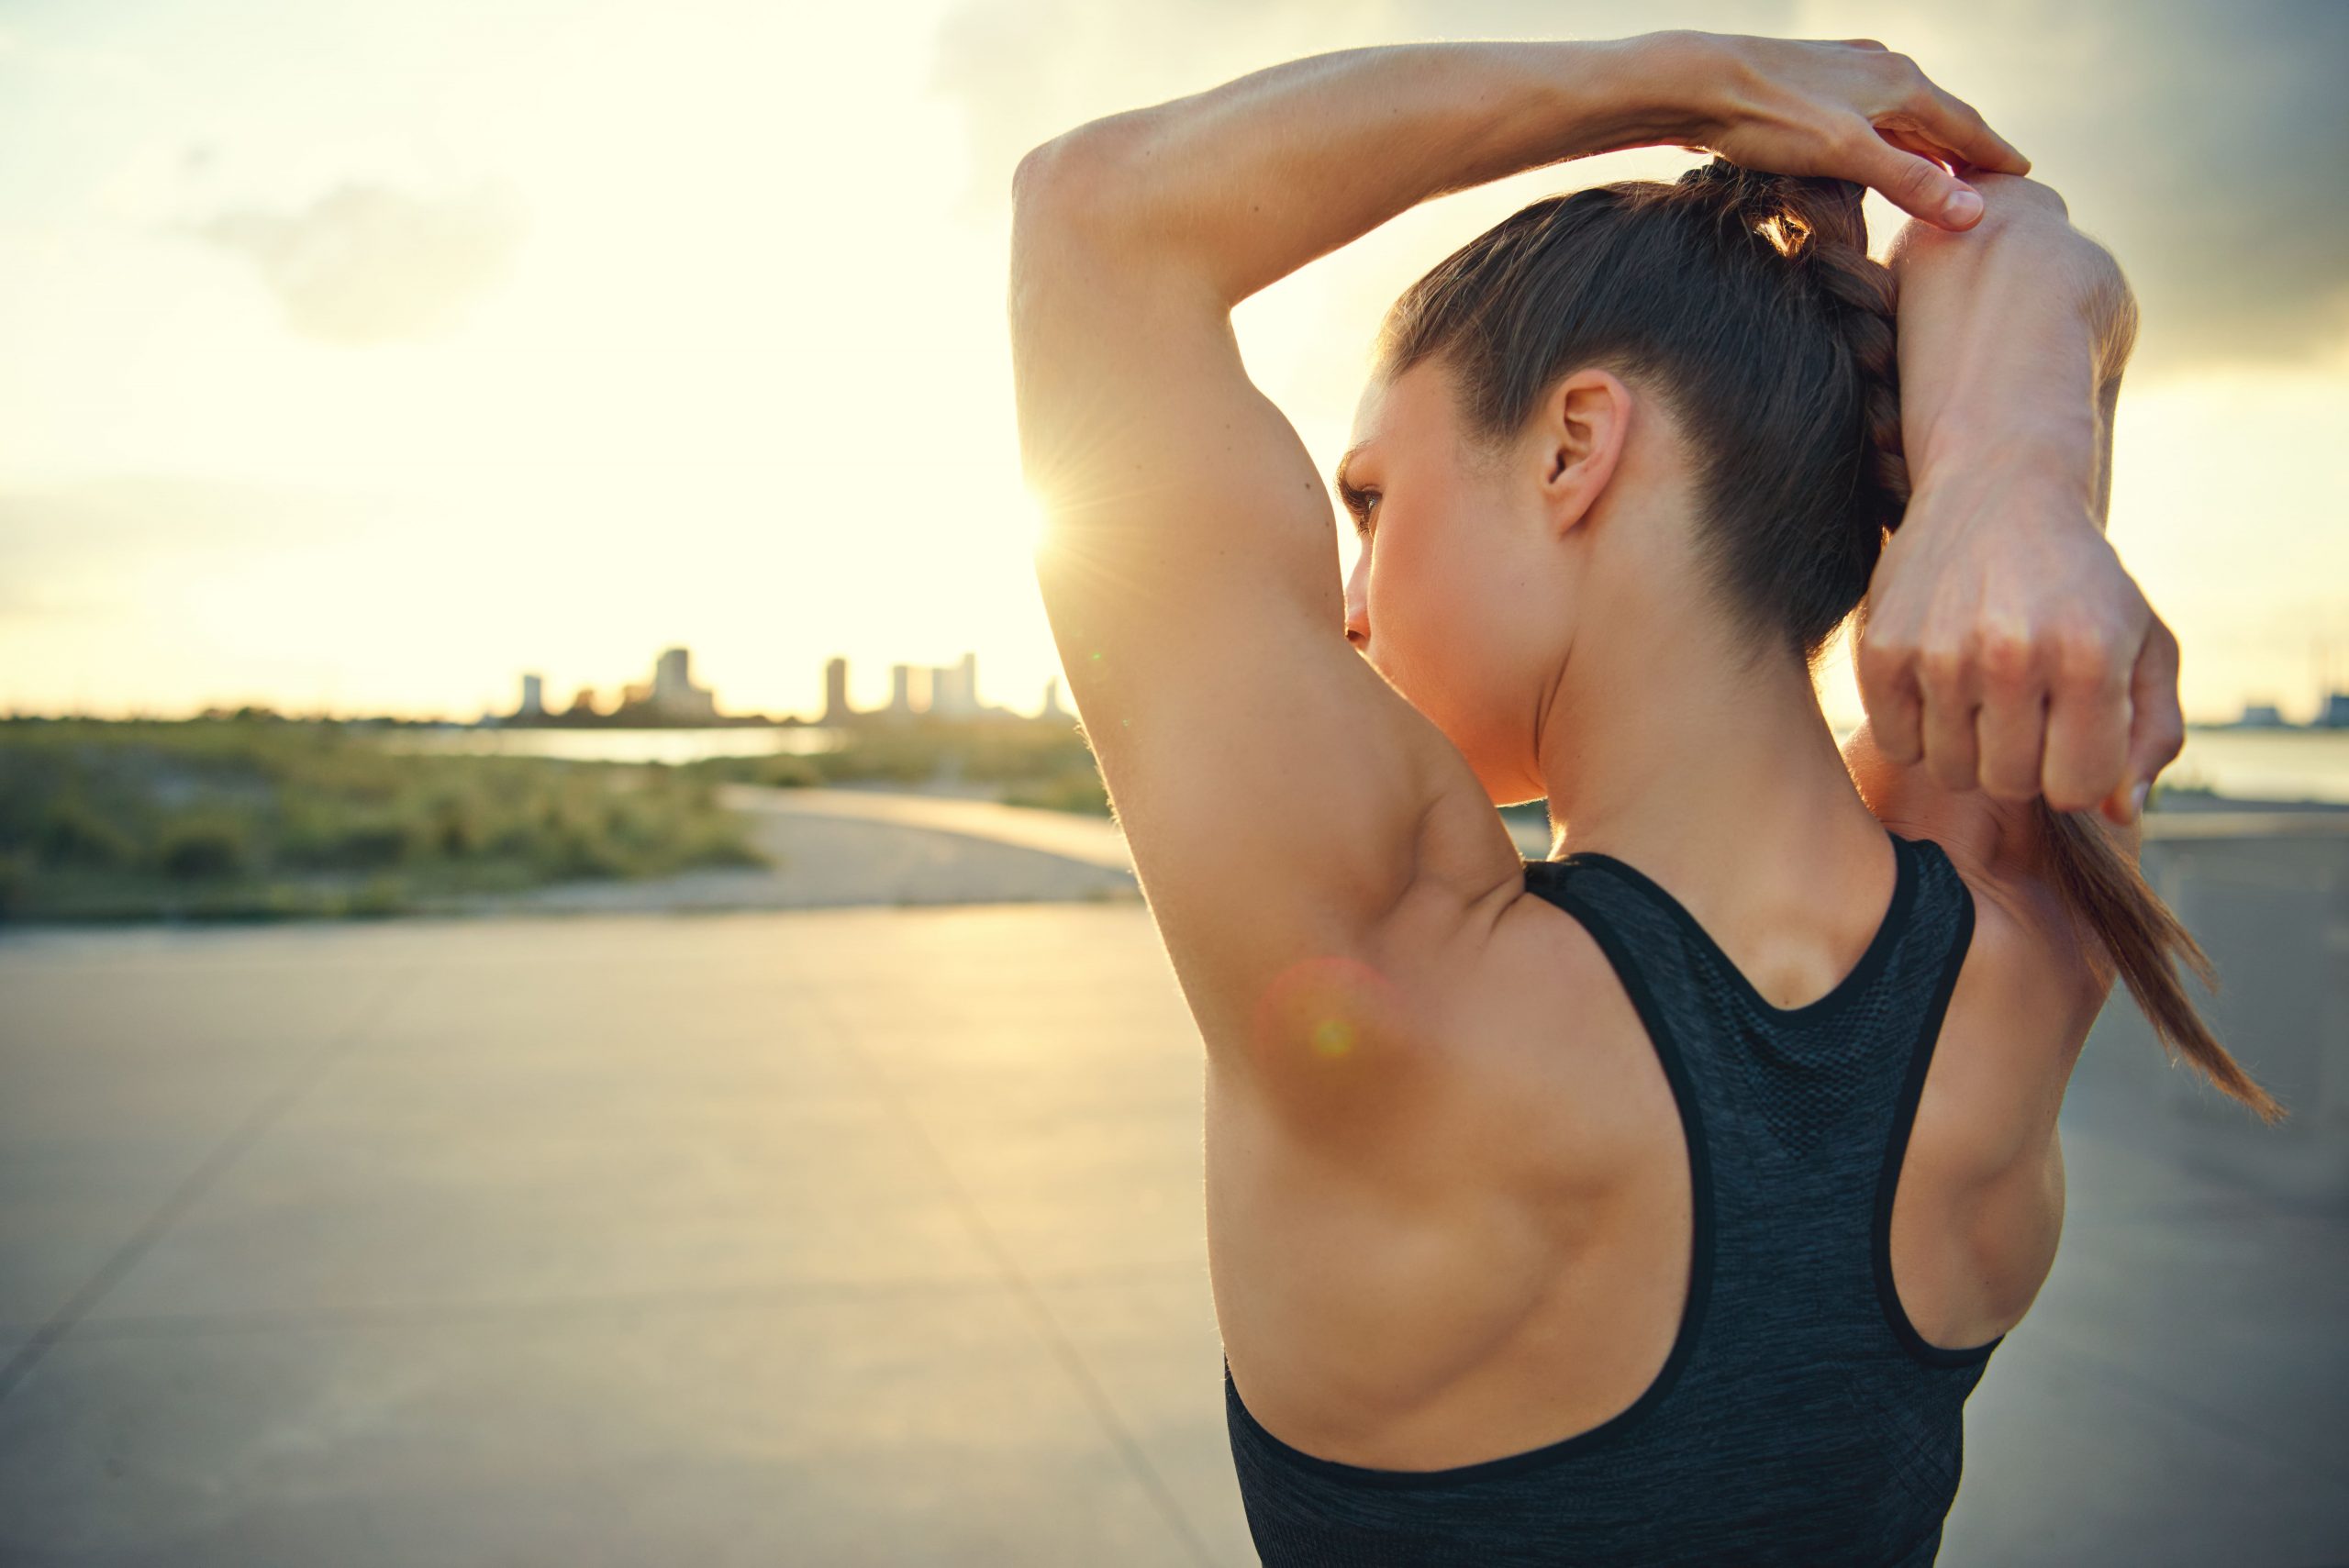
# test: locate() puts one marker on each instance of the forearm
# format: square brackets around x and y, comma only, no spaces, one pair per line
[2012,339]
[1253,179]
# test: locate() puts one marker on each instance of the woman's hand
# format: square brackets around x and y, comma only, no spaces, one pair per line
[2003,645]
[1851,110]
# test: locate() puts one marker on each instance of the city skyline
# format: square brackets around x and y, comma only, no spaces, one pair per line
[673,698]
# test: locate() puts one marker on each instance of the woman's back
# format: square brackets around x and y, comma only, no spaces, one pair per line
[1637,1284]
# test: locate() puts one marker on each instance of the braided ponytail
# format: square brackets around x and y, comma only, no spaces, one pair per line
[1748,302]
[1816,225]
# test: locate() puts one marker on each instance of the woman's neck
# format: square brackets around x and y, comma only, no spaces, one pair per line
[1709,780]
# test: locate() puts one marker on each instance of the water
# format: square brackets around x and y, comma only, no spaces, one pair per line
[2265,764]
[2262,765]
[670,746]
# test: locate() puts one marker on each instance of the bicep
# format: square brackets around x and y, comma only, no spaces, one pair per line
[1274,789]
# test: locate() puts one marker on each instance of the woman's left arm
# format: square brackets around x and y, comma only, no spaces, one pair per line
[1318,856]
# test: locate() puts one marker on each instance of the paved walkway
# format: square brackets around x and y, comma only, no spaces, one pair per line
[870,1237]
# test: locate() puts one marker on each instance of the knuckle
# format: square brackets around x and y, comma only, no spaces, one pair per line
[1942,669]
[2083,657]
[1883,658]
[1917,179]
[2006,658]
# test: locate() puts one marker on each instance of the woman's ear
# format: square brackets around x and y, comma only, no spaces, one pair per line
[1581,430]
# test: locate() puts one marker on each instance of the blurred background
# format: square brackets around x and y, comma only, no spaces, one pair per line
[567,989]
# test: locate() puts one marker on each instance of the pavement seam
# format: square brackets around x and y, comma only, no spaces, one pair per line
[1055,1337]
[196,1184]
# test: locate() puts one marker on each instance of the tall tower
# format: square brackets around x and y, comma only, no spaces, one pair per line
[901,690]
[534,698]
[836,708]
[672,676]
[674,696]
[953,690]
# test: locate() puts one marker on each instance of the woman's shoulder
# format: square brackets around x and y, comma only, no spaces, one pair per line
[1999,848]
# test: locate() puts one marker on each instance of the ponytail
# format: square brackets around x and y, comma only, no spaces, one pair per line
[2143,939]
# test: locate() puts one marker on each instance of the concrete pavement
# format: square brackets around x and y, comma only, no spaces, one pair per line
[865,1237]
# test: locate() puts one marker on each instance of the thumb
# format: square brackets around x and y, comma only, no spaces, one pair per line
[2156,725]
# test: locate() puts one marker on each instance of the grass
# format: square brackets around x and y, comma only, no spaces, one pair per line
[1038,765]
[260,818]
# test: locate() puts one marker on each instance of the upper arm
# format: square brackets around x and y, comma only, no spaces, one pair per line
[1282,802]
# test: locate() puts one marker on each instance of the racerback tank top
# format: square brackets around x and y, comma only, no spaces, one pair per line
[1800,1419]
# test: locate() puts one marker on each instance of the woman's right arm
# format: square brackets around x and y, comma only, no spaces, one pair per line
[2002,646]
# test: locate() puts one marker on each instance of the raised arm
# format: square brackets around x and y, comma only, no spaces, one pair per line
[1258,177]
[2002,645]
[1306,838]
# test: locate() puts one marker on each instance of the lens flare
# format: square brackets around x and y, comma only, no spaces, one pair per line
[1328,1011]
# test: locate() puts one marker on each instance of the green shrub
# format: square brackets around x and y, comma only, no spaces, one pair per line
[73,833]
[203,848]
[1073,789]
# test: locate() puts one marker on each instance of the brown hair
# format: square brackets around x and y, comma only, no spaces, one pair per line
[1748,303]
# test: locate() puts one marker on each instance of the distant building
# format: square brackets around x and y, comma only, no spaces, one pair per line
[836,708]
[902,697]
[2334,714]
[2261,716]
[955,688]
[1051,710]
[533,699]
[675,698]
[583,705]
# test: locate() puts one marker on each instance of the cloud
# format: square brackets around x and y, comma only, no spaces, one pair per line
[2203,144]
[370,263]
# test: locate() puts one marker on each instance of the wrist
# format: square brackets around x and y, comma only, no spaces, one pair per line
[1674,84]
[2055,457]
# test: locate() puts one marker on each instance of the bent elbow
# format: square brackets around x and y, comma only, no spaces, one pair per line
[1080,175]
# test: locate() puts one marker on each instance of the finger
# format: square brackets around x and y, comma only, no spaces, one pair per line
[1957,125]
[1888,691]
[1952,751]
[1917,186]
[2010,738]
[2156,727]
[1911,142]
[2088,738]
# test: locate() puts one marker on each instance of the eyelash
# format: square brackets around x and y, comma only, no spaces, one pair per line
[1358,503]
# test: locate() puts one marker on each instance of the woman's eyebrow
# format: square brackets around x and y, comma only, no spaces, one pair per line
[1345,462]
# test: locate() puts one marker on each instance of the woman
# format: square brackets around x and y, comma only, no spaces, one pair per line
[1659,1202]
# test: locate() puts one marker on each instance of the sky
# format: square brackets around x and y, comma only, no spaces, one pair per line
[357,358]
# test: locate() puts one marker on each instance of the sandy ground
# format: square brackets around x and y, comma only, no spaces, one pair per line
[833,848]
